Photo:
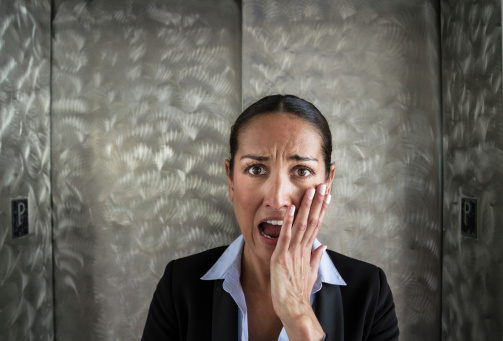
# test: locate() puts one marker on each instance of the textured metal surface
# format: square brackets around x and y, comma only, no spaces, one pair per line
[143,97]
[372,67]
[25,263]
[472,295]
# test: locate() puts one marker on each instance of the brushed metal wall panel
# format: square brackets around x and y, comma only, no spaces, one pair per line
[372,67]
[472,293]
[143,97]
[26,263]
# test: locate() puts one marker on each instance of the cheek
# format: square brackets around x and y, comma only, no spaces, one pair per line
[300,189]
[299,195]
[245,190]
[244,196]
[245,207]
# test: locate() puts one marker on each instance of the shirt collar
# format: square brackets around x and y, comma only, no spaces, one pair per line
[230,259]
[229,263]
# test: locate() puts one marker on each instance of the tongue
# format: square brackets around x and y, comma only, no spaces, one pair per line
[271,230]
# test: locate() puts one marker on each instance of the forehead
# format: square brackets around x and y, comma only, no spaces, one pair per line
[279,133]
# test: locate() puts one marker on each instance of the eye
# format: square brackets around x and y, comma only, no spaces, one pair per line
[256,170]
[303,172]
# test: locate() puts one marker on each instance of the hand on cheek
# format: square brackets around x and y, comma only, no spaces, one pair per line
[294,268]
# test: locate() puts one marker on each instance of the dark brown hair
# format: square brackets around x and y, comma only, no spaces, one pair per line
[284,104]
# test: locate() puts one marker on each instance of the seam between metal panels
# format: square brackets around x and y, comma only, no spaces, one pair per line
[441,163]
[51,206]
[241,19]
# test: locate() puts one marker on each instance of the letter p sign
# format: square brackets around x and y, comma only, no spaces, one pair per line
[19,217]
[469,217]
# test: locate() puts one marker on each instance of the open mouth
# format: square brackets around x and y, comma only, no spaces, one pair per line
[270,228]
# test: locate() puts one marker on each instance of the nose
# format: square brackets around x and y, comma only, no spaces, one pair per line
[279,191]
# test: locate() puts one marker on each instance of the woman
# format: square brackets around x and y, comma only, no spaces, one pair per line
[275,281]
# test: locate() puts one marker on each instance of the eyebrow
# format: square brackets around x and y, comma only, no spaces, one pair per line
[255,157]
[295,157]
[302,158]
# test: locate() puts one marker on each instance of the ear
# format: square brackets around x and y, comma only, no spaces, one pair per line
[330,178]
[230,182]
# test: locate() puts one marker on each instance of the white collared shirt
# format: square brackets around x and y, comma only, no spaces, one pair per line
[228,268]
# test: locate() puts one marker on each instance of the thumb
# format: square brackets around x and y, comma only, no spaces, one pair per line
[316,258]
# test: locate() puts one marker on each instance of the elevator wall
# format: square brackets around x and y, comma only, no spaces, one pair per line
[26,292]
[143,98]
[117,135]
[144,94]
[373,69]
[472,290]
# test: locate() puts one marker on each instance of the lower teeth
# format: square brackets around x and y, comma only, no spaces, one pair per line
[265,235]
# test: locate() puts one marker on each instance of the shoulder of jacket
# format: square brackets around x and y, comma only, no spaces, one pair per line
[210,253]
[198,264]
[348,266]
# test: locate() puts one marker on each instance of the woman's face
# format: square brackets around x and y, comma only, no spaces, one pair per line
[279,157]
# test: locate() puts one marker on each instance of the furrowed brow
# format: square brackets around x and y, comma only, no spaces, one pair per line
[302,158]
[255,157]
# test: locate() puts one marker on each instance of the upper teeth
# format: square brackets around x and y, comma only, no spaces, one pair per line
[275,222]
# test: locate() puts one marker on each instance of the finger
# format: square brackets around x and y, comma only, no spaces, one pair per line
[313,222]
[323,212]
[285,234]
[316,259]
[300,224]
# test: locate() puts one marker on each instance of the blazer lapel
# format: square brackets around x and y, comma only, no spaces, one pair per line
[225,314]
[328,310]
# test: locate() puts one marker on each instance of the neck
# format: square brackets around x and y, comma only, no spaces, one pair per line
[255,273]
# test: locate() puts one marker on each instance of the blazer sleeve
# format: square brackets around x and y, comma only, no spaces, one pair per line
[385,323]
[162,322]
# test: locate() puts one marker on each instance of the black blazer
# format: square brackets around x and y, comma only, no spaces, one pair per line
[184,307]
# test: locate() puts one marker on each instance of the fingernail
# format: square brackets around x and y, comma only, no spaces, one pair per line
[322,189]
[292,210]
[311,193]
[327,200]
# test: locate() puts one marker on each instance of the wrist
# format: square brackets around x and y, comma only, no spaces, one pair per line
[304,327]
